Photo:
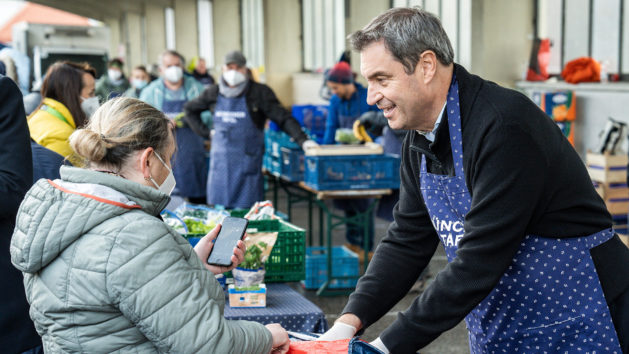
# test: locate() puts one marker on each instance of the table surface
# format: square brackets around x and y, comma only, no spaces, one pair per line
[284,306]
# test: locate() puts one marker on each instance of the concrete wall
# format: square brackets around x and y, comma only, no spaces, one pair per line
[226,16]
[186,29]
[155,32]
[502,32]
[282,47]
[361,12]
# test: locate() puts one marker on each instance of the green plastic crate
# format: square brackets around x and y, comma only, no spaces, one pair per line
[287,261]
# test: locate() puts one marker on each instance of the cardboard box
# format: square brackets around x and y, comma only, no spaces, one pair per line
[607,168]
[247,298]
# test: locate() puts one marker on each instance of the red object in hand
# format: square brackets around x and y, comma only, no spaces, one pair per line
[582,69]
[320,347]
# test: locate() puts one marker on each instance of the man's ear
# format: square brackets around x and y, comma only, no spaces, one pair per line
[145,163]
[428,65]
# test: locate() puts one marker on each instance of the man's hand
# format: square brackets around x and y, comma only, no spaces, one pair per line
[205,245]
[309,144]
[345,327]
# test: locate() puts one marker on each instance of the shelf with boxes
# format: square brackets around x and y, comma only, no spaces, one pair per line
[609,175]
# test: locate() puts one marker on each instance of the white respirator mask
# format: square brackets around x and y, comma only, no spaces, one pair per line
[173,74]
[169,184]
[234,77]
[89,105]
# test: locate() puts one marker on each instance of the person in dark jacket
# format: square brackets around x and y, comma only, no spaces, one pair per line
[240,108]
[46,163]
[534,265]
[17,332]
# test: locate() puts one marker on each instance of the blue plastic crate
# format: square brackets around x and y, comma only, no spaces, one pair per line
[275,140]
[313,118]
[352,172]
[272,164]
[344,263]
[292,162]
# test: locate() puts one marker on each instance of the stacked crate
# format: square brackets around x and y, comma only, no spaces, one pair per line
[609,173]
[283,156]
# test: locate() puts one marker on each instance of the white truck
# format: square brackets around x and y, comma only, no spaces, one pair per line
[46,44]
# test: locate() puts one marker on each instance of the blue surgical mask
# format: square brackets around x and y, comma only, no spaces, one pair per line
[139,83]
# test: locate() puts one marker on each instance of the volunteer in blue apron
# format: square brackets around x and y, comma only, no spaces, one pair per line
[169,94]
[348,102]
[240,109]
[533,263]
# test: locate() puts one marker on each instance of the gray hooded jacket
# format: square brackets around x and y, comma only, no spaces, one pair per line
[103,273]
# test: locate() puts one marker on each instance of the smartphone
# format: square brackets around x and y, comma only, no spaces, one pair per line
[232,230]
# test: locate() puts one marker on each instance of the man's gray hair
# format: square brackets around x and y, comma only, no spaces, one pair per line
[407,33]
[173,53]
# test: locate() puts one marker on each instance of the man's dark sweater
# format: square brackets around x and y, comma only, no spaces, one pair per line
[523,177]
[261,102]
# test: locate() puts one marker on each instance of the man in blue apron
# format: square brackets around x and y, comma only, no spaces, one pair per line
[533,263]
[168,94]
[348,102]
[240,109]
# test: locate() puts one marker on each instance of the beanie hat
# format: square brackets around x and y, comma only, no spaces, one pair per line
[340,73]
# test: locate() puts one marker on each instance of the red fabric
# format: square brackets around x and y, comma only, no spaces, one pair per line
[319,347]
[582,69]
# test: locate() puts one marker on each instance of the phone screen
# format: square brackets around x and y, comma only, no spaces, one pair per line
[232,230]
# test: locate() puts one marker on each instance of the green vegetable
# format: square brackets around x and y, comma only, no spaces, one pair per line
[197,226]
[249,288]
[346,136]
[253,256]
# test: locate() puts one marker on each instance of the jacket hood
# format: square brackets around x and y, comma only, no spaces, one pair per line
[54,214]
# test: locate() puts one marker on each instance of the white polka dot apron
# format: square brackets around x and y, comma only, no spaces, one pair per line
[549,300]
[235,178]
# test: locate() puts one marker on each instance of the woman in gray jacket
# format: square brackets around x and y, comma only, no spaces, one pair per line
[103,272]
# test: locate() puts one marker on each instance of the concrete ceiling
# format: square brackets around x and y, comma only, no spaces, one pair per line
[102,9]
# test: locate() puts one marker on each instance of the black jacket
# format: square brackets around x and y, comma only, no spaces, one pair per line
[17,333]
[261,102]
[524,178]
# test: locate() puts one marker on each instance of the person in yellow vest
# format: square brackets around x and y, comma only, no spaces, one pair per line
[68,102]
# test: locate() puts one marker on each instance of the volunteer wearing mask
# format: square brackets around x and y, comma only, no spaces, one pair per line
[130,282]
[68,102]
[113,83]
[168,94]
[240,109]
[534,265]
[139,80]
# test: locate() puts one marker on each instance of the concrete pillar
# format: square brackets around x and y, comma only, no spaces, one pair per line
[155,32]
[227,31]
[283,54]
[114,36]
[186,28]
[361,12]
[134,38]
[502,32]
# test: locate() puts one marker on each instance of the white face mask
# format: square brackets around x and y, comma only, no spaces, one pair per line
[169,184]
[173,74]
[114,75]
[89,105]
[233,77]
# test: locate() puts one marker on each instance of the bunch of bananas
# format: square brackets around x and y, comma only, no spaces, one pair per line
[360,132]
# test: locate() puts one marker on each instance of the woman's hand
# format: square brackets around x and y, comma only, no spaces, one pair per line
[204,247]
[280,338]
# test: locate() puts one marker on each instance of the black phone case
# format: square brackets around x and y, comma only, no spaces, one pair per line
[227,262]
